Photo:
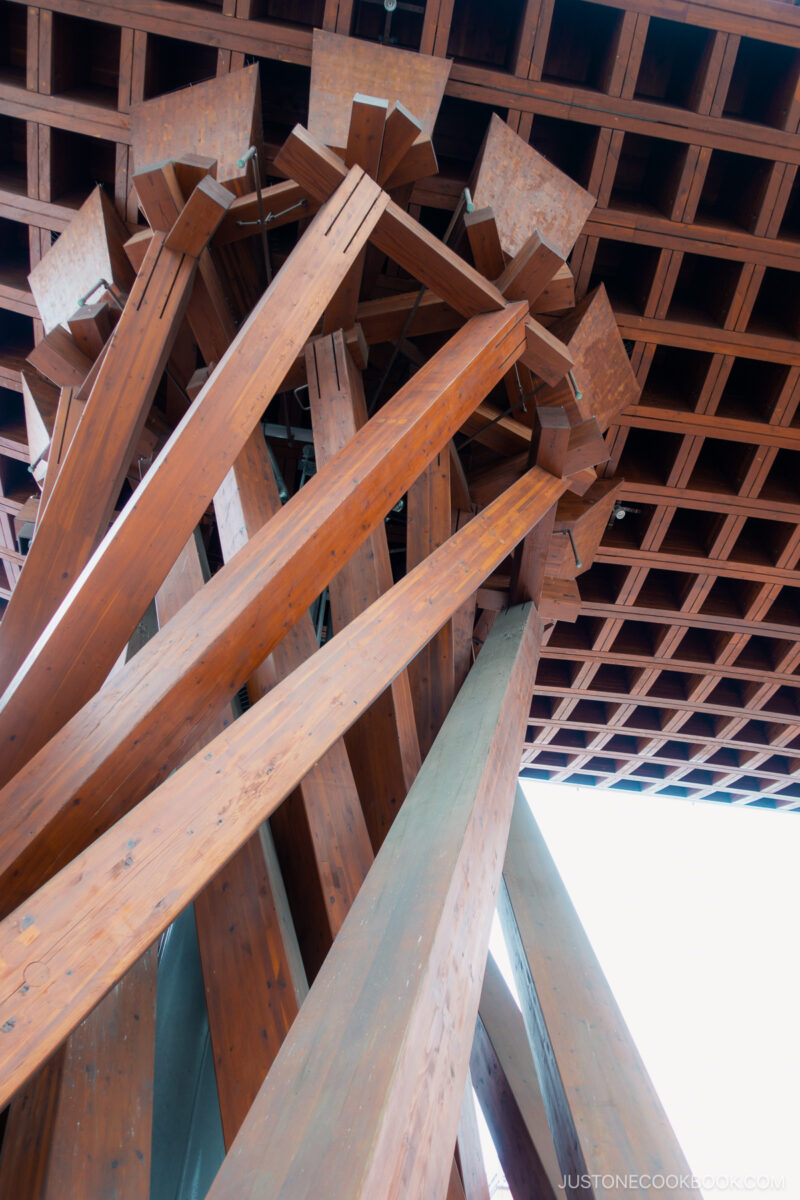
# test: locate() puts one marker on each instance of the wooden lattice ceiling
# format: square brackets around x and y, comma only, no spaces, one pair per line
[679,675]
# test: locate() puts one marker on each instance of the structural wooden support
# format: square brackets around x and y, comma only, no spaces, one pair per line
[505,1030]
[606,1119]
[83,498]
[383,744]
[404,973]
[103,606]
[133,880]
[162,700]
[428,525]
[407,243]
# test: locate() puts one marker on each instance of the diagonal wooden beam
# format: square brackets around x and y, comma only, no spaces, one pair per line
[505,1029]
[101,609]
[83,498]
[605,1116]
[404,975]
[318,170]
[127,887]
[383,744]
[133,732]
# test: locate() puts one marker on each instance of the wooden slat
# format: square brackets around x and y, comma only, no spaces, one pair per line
[200,218]
[83,498]
[154,860]
[603,1111]
[418,934]
[123,575]
[383,744]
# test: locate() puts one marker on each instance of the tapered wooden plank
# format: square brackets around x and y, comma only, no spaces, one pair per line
[484,242]
[83,498]
[133,880]
[605,1116]
[104,604]
[428,524]
[383,744]
[404,973]
[505,1028]
[177,683]
[417,163]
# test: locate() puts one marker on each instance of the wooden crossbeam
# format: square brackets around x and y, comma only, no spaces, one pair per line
[407,243]
[83,499]
[178,682]
[604,1114]
[404,973]
[107,600]
[154,860]
[383,744]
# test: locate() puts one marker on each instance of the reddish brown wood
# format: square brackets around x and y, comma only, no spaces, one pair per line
[234,784]
[130,564]
[82,500]
[383,745]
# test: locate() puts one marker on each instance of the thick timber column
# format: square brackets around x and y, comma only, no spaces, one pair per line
[366,1092]
[77,934]
[608,1124]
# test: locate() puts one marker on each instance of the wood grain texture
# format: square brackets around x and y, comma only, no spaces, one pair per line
[133,880]
[125,571]
[87,489]
[383,745]
[600,1102]
[403,975]
[145,718]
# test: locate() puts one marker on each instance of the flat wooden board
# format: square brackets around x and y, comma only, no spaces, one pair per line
[89,249]
[219,119]
[527,192]
[342,66]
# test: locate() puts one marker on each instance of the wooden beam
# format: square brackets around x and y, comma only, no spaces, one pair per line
[123,575]
[252,971]
[133,880]
[412,247]
[183,676]
[502,1021]
[428,525]
[603,1110]
[418,934]
[383,744]
[518,1156]
[83,498]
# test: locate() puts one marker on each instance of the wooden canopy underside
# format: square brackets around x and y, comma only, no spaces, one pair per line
[411,406]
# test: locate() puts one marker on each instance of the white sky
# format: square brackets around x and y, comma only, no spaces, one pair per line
[692,910]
